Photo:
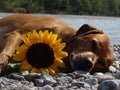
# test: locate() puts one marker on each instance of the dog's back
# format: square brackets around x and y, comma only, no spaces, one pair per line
[28,22]
[12,22]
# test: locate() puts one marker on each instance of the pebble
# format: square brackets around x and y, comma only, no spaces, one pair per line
[23,72]
[32,76]
[80,84]
[39,82]
[47,87]
[104,77]
[112,69]
[92,81]
[117,75]
[48,79]
[16,76]
[77,80]
[109,85]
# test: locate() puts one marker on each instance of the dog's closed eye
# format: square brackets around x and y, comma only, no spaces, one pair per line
[94,45]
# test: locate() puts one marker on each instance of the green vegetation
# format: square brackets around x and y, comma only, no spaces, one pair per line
[79,7]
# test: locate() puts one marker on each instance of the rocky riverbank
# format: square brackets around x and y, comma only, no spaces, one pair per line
[78,80]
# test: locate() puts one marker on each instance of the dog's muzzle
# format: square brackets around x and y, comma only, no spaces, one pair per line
[81,62]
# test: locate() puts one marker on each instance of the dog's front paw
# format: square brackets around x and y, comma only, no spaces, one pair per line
[3,61]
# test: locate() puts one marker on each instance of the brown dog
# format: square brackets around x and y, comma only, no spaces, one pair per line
[89,49]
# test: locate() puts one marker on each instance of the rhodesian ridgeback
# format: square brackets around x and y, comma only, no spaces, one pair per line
[88,48]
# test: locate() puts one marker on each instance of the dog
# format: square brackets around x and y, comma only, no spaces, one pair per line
[88,48]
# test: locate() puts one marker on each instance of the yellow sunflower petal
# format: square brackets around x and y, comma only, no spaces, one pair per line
[45,35]
[34,37]
[48,40]
[58,46]
[54,67]
[53,38]
[40,36]
[59,63]
[61,54]
[26,40]
[34,70]
[43,69]
[35,33]
[29,34]
[20,53]
[52,72]
[25,66]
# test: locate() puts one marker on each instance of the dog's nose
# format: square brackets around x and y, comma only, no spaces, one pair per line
[81,62]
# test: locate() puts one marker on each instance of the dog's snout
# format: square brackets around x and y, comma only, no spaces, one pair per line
[87,62]
[81,62]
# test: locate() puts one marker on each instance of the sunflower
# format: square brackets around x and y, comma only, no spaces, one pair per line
[41,51]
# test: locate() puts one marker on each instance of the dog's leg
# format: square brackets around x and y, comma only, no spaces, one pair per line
[13,39]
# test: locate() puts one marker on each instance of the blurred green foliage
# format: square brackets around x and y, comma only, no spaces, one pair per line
[79,7]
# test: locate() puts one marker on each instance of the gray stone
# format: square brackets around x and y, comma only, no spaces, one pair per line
[4,79]
[102,77]
[80,84]
[16,76]
[60,74]
[23,88]
[73,88]
[24,72]
[12,83]
[38,82]
[48,79]
[32,76]
[60,88]
[57,84]
[79,74]
[109,85]
[47,87]
[5,88]
[71,75]
[91,81]
[117,75]
[26,83]
[116,64]
[64,80]
[112,69]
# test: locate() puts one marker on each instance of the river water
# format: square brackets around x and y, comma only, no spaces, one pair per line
[110,25]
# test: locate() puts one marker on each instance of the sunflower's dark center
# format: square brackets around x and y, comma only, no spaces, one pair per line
[40,55]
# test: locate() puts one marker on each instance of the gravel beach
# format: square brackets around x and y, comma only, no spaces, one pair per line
[77,80]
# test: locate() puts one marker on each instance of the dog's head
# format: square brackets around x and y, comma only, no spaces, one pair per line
[90,50]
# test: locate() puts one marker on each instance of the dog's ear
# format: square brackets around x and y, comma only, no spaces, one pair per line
[85,28]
